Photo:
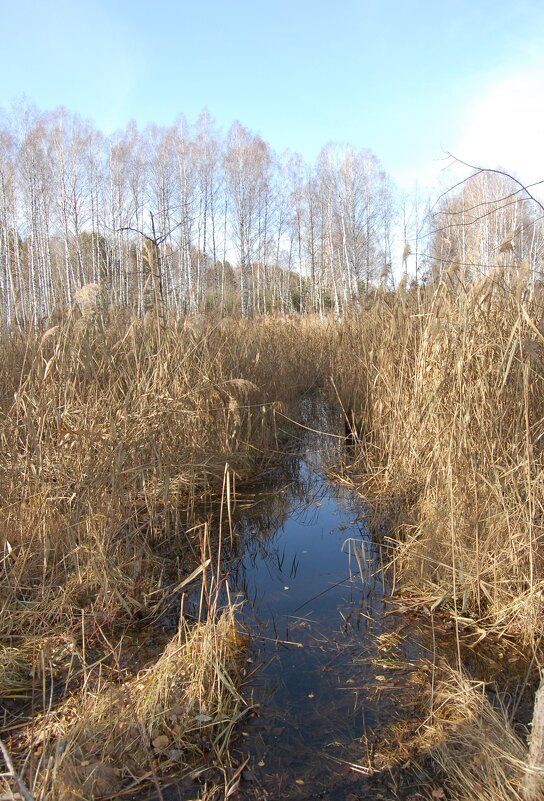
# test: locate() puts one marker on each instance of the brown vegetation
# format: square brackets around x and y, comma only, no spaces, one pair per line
[452,410]
[448,387]
[117,435]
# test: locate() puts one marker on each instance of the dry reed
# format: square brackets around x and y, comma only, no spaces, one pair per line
[454,741]
[450,394]
[116,436]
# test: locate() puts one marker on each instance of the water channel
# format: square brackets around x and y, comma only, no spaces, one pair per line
[313,597]
[315,602]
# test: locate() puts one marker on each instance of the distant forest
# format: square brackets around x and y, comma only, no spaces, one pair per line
[188,219]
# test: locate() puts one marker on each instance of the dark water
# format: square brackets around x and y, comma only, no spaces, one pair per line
[327,650]
[315,602]
[330,662]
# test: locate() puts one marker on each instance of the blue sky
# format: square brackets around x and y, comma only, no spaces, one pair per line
[408,79]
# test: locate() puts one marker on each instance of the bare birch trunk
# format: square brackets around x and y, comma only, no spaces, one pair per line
[534,778]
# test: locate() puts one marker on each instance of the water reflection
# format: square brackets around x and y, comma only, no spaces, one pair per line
[314,601]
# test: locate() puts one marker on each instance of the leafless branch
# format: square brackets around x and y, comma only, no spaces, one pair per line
[23,789]
[496,171]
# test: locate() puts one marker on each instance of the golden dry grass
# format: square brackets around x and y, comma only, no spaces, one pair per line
[472,742]
[118,437]
[450,394]
[110,435]
[454,741]
[448,389]
[166,718]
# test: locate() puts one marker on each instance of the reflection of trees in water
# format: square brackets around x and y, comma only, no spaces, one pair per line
[326,418]
[293,498]
[296,491]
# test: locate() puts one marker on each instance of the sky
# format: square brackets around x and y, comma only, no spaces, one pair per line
[410,79]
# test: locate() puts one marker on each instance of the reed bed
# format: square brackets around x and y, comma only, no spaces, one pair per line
[119,438]
[445,388]
[111,435]
[448,391]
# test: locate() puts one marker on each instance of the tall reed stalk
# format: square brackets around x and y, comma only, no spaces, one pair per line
[449,388]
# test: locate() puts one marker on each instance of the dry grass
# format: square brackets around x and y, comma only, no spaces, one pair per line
[118,438]
[448,390]
[450,393]
[472,742]
[454,741]
[176,714]
[110,436]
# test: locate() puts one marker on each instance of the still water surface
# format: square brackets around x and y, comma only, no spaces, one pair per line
[315,603]
[312,596]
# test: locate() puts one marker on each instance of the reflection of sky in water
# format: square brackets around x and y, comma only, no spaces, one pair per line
[313,618]
[304,569]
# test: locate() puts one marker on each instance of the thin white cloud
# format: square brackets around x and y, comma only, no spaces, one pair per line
[503,126]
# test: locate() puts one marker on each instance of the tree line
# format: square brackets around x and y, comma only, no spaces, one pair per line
[185,218]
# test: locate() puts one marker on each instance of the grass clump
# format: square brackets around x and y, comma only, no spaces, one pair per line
[473,746]
[451,405]
[118,438]
[175,715]
[452,739]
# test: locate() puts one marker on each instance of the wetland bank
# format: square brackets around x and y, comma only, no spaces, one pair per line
[172,538]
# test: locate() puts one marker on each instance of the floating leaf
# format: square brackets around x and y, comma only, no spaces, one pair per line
[161,742]
[203,718]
